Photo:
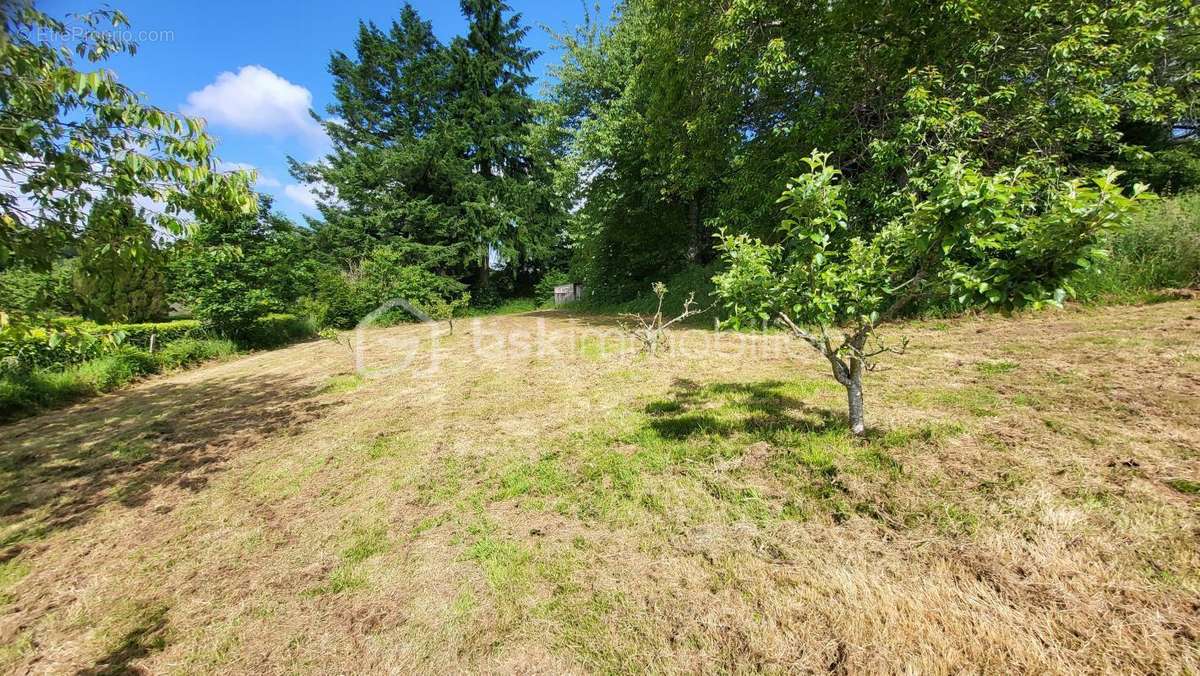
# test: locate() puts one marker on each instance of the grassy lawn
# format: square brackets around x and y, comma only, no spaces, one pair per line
[527,495]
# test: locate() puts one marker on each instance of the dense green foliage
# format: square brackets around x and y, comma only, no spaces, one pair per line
[26,291]
[191,351]
[1003,241]
[682,118]
[119,275]
[236,267]
[387,273]
[1160,250]
[70,137]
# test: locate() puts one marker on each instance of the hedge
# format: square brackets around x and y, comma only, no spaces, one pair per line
[274,330]
[70,342]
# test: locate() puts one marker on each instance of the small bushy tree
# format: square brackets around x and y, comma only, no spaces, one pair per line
[119,277]
[1008,240]
[235,268]
[441,310]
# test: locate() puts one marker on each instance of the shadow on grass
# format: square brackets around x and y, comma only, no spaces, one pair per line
[768,410]
[148,636]
[58,468]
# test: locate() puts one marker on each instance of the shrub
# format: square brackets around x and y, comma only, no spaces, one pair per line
[190,351]
[277,329]
[138,335]
[121,367]
[70,341]
[315,309]
[30,292]
[351,295]
[696,279]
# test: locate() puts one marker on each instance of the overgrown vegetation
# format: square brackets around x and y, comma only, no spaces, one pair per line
[1159,250]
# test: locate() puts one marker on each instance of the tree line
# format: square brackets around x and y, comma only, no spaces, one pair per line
[668,131]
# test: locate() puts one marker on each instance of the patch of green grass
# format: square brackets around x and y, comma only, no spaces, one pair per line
[14,650]
[389,446]
[11,572]
[995,368]
[343,383]
[1093,497]
[926,434]
[525,581]
[1185,486]
[132,452]
[511,306]
[118,369]
[507,566]
[542,477]
[272,481]
[592,348]
[365,543]
[978,401]
[948,518]
[187,352]
[442,481]
[131,631]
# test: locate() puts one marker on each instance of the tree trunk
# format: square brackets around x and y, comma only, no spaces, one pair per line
[850,374]
[696,245]
[485,270]
[854,397]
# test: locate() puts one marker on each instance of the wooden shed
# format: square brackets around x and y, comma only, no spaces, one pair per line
[565,293]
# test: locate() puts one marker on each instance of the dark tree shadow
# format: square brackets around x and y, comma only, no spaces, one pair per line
[58,468]
[688,411]
[149,635]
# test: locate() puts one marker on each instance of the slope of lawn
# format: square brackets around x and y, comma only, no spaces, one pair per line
[526,495]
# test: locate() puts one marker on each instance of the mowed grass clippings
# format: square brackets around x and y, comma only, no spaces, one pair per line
[528,495]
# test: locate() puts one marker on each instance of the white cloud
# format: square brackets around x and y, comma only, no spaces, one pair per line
[257,101]
[302,194]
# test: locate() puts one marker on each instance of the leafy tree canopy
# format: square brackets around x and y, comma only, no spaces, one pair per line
[70,137]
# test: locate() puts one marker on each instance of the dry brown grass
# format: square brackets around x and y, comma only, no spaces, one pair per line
[1028,503]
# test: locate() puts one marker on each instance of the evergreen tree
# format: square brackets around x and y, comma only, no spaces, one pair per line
[432,149]
[393,172]
[493,112]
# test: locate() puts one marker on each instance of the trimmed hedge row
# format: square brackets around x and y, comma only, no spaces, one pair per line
[69,342]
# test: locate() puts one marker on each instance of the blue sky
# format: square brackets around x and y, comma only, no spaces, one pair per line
[251,68]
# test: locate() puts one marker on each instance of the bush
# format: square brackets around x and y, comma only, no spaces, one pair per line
[119,368]
[138,335]
[349,296]
[274,330]
[1160,250]
[190,351]
[70,341]
[695,279]
[24,351]
[33,292]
